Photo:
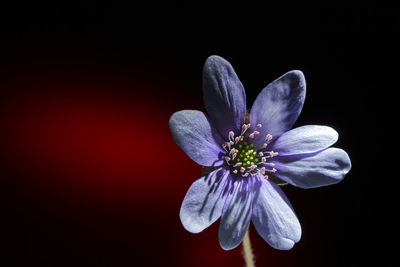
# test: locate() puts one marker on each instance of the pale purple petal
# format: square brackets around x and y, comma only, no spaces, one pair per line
[236,214]
[278,105]
[224,96]
[274,218]
[305,139]
[192,131]
[313,170]
[204,201]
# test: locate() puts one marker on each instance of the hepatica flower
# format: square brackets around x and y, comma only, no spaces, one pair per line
[248,152]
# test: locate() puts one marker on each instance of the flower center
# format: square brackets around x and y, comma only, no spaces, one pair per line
[243,158]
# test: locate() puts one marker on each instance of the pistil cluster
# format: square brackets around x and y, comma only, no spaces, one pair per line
[242,156]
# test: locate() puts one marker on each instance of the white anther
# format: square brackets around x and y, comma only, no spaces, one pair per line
[259,126]
[242,169]
[265,145]
[228,144]
[237,164]
[273,154]
[245,127]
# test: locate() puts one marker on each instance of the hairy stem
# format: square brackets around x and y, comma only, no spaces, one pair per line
[247,252]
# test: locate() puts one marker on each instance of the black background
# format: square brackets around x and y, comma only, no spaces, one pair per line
[340,49]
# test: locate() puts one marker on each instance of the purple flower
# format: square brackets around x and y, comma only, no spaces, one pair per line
[249,154]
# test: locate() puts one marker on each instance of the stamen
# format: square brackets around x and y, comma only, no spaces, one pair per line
[273,154]
[265,145]
[228,144]
[224,147]
[244,158]
[245,127]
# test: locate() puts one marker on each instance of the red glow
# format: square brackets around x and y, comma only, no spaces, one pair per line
[94,139]
[100,158]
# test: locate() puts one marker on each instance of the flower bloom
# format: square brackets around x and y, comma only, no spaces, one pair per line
[249,154]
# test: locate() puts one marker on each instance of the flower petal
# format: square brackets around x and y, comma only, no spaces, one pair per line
[279,104]
[313,170]
[236,214]
[204,201]
[274,218]
[305,139]
[224,96]
[192,131]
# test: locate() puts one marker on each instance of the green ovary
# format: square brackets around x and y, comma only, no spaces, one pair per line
[246,154]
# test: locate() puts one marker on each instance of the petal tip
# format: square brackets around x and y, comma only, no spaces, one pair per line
[214,59]
[285,244]
[188,224]
[331,133]
[228,246]
[343,161]
[172,119]
[298,76]
[334,133]
[297,73]
[347,160]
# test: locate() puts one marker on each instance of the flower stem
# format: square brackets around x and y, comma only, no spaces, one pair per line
[247,252]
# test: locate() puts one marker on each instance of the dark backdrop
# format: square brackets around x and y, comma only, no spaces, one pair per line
[90,175]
